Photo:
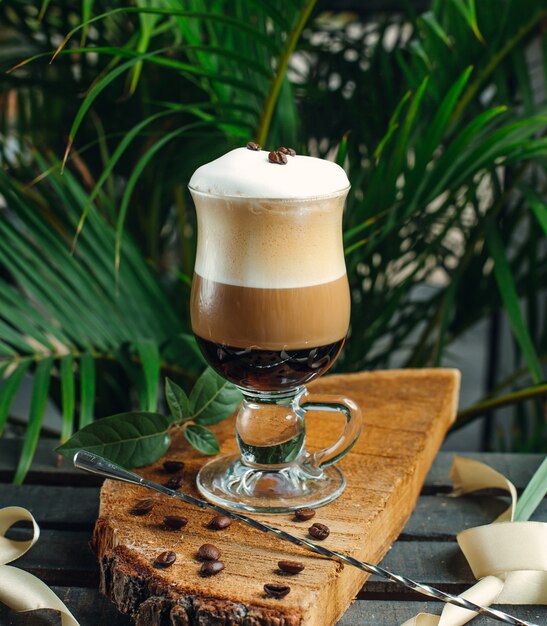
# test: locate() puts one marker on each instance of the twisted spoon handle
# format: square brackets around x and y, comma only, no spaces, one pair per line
[98,465]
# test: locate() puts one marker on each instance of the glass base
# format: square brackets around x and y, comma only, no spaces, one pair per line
[228,482]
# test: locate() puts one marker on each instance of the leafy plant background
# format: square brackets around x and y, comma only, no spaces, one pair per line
[433,112]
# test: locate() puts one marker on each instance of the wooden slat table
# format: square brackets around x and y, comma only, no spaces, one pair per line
[65,504]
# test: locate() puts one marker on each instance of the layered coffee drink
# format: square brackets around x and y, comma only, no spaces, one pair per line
[270,301]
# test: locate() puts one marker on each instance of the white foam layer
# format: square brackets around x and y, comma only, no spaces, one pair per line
[249,174]
[269,244]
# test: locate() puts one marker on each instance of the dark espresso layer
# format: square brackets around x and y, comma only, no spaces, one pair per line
[269,370]
[270,319]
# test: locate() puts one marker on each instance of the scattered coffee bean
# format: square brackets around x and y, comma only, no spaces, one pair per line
[289,151]
[174,522]
[208,552]
[291,567]
[319,531]
[211,568]
[172,467]
[220,522]
[253,146]
[277,157]
[304,514]
[165,559]
[276,590]
[143,506]
[175,482]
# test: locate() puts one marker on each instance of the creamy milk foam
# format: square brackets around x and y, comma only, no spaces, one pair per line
[249,174]
[270,271]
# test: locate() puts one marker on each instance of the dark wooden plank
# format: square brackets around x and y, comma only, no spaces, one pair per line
[53,506]
[440,517]
[91,609]
[88,606]
[435,518]
[389,613]
[61,558]
[519,468]
[45,468]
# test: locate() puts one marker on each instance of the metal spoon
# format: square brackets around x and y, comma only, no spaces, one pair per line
[98,465]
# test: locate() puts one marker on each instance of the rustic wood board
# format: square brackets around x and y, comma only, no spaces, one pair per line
[406,415]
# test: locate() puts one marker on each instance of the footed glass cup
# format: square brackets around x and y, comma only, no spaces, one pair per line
[270,310]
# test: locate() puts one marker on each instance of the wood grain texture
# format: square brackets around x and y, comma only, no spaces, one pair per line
[406,416]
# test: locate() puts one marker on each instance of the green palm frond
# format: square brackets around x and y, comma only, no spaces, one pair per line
[64,314]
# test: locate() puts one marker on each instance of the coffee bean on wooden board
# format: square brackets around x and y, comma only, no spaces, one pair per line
[143,506]
[175,482]
[291,567]
[174,522]
[172,467]
[208,552]
[276,590]
[165,559]
[304,514]
[219,522]
[211,568]
[319,531]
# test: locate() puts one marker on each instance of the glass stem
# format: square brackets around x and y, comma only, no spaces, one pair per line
[270,428]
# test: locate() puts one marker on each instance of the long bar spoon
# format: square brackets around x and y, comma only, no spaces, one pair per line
[98,465]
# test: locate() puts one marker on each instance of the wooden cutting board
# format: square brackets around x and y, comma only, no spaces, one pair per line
[406,415]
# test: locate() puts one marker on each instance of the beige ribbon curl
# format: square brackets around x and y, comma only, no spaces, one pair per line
[20,590]
[509,558]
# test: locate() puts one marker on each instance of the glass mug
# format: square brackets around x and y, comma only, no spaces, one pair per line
[270,309]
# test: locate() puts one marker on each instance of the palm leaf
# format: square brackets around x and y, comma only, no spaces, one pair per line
[510,298]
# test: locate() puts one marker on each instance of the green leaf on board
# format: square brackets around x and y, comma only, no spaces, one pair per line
[533,495]
[177,401]
[201,439]
[130,439]
[213,398]
[150,358]
[40,390]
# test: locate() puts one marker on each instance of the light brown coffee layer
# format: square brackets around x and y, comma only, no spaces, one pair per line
[270,319]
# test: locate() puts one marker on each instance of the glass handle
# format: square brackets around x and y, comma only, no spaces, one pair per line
[352,429]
